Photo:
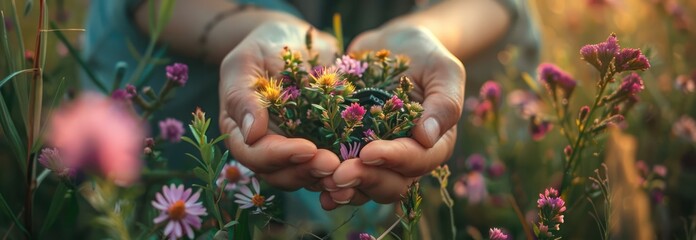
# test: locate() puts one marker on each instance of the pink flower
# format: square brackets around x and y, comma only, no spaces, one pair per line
[366,236]
[539,128]
[291,93]
[600,55]
[181,209]
[631,85]
[393,104]
[94,131]
[347,65]
[50,158]
[526,103]
[685,128]
[476,162]
[248,199]
[353,114]
[628,59]
[471,186]
[171,130]
[121,95]
[236,174]
[369,135]
[496,169]
[178,73]
[497,234]
[491,91]
[351,151]
[551,208]
[553,76]
[660,170]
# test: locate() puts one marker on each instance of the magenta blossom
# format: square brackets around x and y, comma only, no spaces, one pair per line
[496,169]
[600,55]
[347,65]
[95,131]
[539,128]
[491,90]
[353,114]
[631,85]
[291,93]
[685,128]
[171,130]
[369,135]
[181,209]
[476,162]
[351,151]
[497,234]
[393,104]
[630,59]
[554,77]
[551,208]
[178,73]
[121,95]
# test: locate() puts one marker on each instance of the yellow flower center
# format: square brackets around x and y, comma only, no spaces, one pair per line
[327,80]
[258,200]
[232,174]
[177,211]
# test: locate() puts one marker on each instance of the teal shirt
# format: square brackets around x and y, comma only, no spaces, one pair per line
[110,31]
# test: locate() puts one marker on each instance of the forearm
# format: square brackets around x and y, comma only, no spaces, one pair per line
[190,19]
[464,27]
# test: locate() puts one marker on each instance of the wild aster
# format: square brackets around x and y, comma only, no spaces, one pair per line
[553,76]
[236,174]
[270,91]
[171,130]
[95,131]
[628,59]
[491,90]
[539,128]
[497,234]
[348,65]
[353,114]
[600,55]
[393,104]
[351,151]
[551,208]
[178,73]
[248,199]
[50,158]
[181,209]
[685,128]
[476,162]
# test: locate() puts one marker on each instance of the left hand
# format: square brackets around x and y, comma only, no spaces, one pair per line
[385,168]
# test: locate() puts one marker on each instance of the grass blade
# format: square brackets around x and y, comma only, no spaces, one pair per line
[8,127]
[11,76]
[7,211]
[60,91]
[73,52]
[56,205]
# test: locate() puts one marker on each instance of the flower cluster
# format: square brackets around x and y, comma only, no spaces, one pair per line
[551,208]
[497,234]
[343,106]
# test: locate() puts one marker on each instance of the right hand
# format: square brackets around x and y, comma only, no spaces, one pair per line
[285,163]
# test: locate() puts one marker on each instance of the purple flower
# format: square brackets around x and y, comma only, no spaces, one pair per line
[660,170]
[491,91]
[685,83]
[551,208]
[526,103]
[50,158]
[601,54]
[291,93]
[351,151]
[348,65]
[476,190]
[369,135]
[630,59]
[248,199]
[539,128]
[366,236]
[171,130]
[121,95]
[317,71]
[553,76]
[178,73]
[685,128]
[393,104]
[496,169]
[631,85]
[476,162]
[497,234]
[353,114]
[131,90]
[177,205]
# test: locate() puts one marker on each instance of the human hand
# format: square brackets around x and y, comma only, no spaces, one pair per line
[286,163]
[385,168]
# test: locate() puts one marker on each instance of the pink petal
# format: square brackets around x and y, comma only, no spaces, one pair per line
[255,183]
[186,195]
[193,221]
[270,198]
[177,229]
[242,197]
[194,198]
[159,206]
[161,218]
[246,191]
[168,229]
[188,230]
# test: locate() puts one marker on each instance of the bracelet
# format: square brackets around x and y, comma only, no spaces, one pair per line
[203,39]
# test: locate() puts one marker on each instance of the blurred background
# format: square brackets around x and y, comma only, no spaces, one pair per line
[664,29]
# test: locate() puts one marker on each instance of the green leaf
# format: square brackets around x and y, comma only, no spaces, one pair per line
[230,224]
[166,9]
[27,6]
[62,193]
[8,212]
[210,202]
[317,106]
[220,138]
[201,173]
[189,140]
[200,163]
[221,164]
[241,230]
[8,127]
[60,91]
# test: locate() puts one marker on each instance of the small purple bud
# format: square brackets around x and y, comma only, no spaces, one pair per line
[178,73]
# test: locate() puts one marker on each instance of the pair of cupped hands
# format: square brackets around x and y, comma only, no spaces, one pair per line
[385,168]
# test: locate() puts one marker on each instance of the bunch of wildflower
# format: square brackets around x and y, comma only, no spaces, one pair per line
[342,106]
[551,208]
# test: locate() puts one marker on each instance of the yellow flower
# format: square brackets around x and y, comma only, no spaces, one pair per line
[328,79]
[349,88]
[269,91]
[382,54]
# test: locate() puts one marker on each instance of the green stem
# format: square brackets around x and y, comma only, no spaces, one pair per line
[143,62]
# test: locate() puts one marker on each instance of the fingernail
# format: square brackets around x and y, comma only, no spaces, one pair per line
[246,125]
[328,189]
[375,162]
[318,173]
[432,128]
[350,184]
[341,202]
[300,158]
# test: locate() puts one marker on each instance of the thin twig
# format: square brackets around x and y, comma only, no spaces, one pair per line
[352,215]
[384,234]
